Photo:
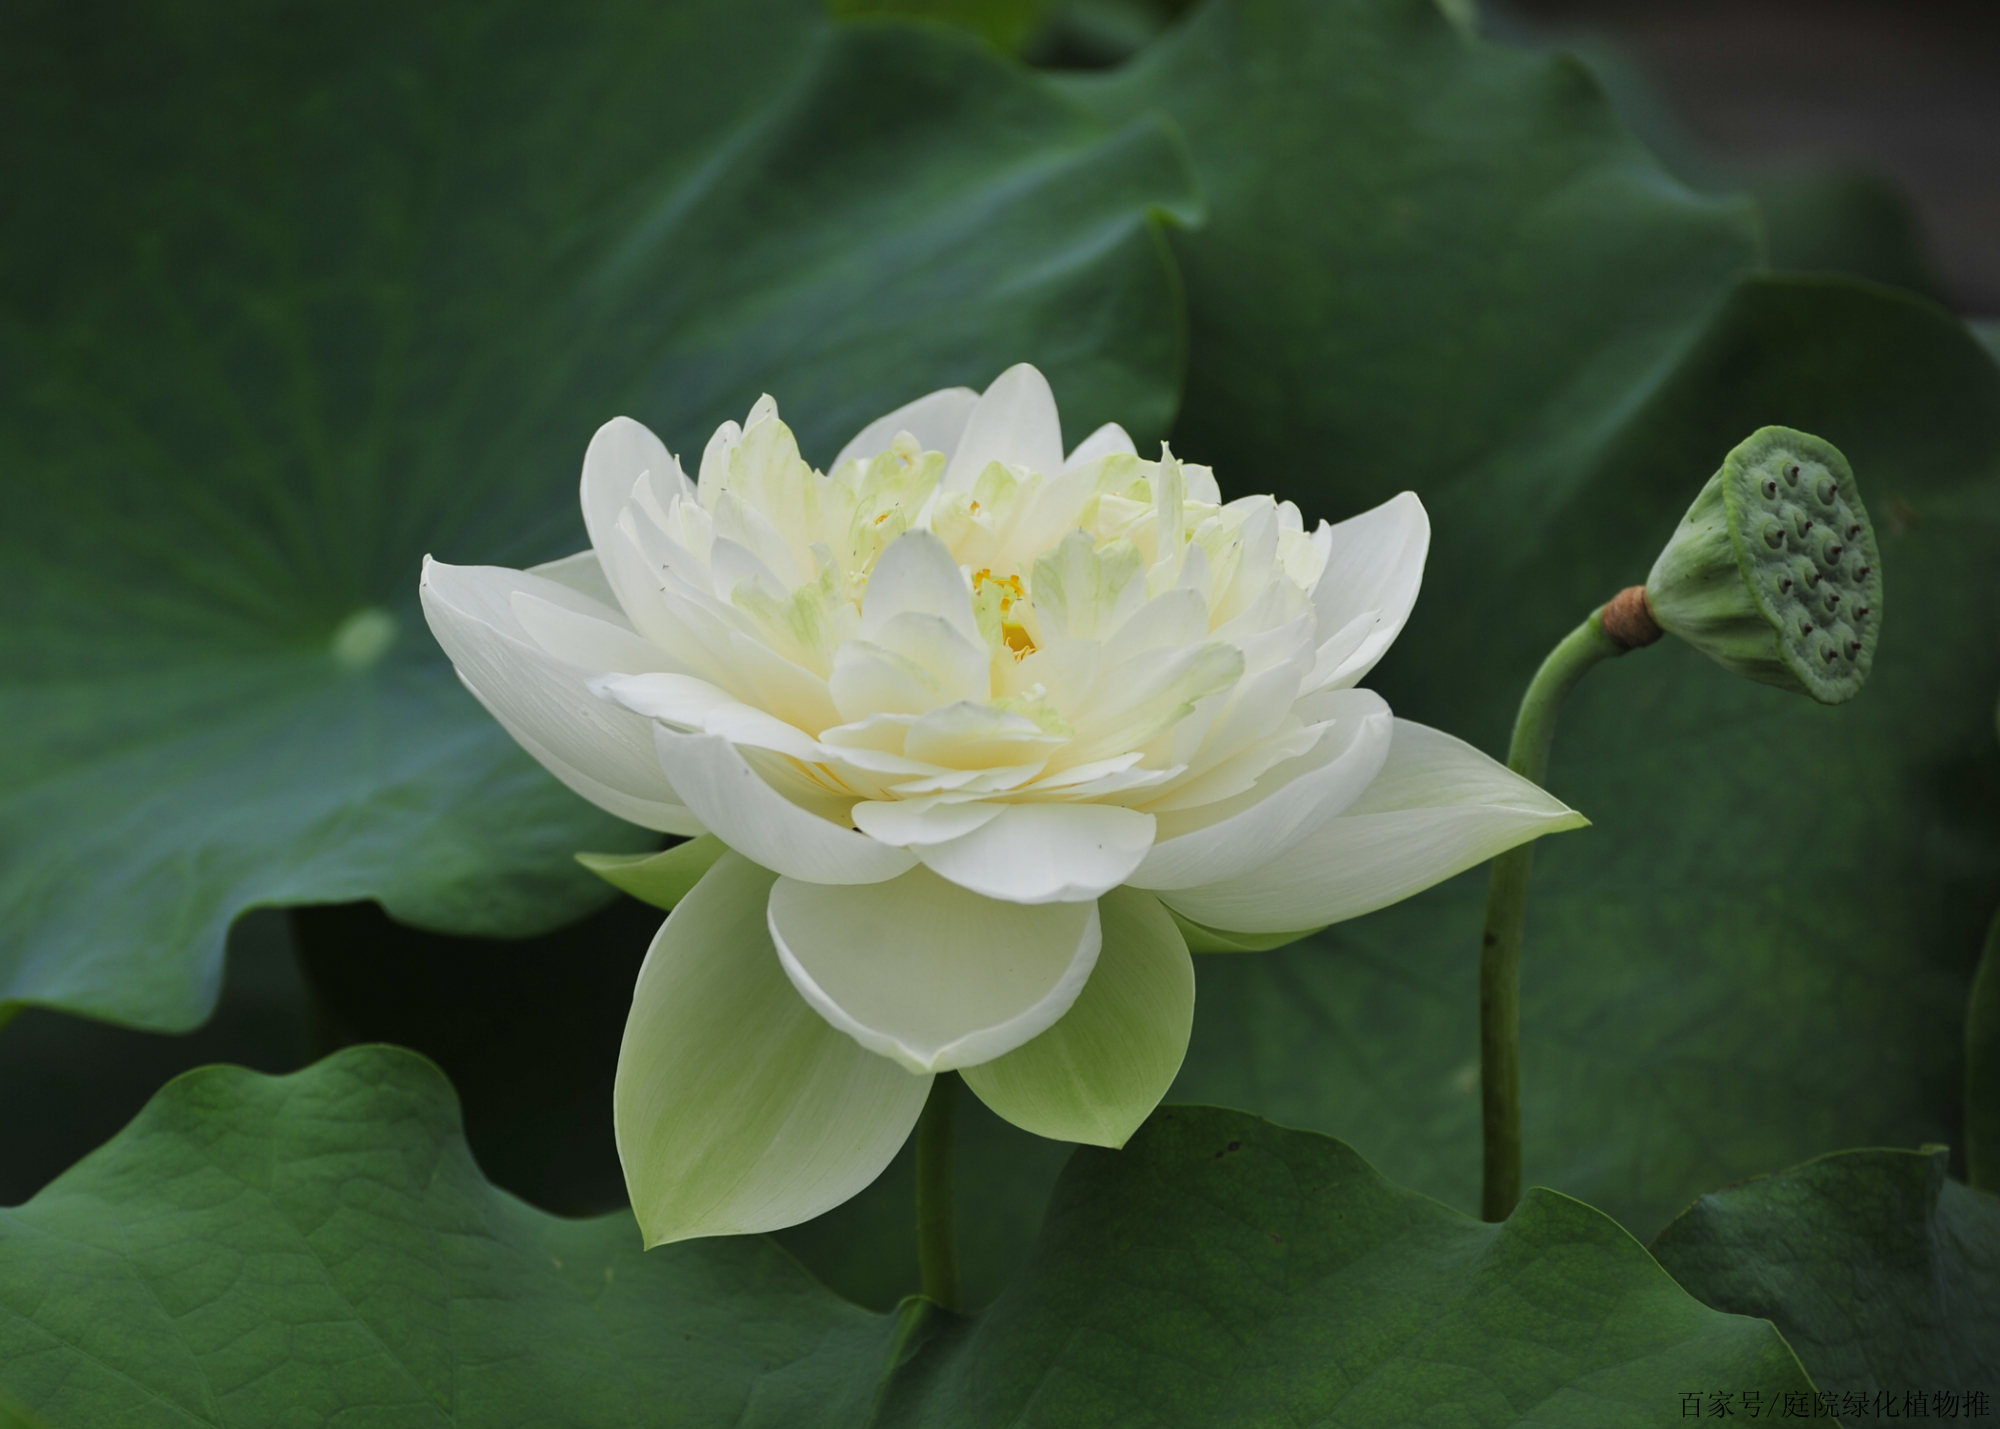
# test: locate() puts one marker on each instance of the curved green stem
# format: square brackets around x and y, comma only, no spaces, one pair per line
[1506,916]
[937,1221]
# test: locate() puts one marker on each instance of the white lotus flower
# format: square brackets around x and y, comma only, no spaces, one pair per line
[991,734]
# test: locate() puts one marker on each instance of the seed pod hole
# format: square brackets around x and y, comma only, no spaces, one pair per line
[1791,476]
[1771,489]
[1827,490]
[1774,536]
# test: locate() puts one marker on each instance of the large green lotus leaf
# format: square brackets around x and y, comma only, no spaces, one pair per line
[1421,250]
[1006,24]
[1881,1272]
[321,1248]
[1225,1271]
[1437,264]
[1823,215]
[541,1125]
[12,1416]
[298,293]
[70,1083]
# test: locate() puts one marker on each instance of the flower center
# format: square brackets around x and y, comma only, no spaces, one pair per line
[1008,589]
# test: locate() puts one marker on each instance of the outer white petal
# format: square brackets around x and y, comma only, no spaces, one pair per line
[620,451]
[1349,757]
[1375,563]
[594,641]
[1104,441]
[1105,1064]
[602,752]
[923,972]
[1438,807]
[1015,422]
[1046,853]
[667,818]
[582,573]
[936,420]
[737,1108]
[746,813]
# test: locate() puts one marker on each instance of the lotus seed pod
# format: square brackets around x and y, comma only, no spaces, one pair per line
[1774,573]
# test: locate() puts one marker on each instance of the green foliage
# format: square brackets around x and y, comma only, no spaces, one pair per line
[1850,222]
[299,295]
[1443,265]
[1005,24]
[527,1029]
[13,1416]
[1823,217]
[1698,1005]
[256,1250]
[1221,1269]
[1879,1270]
[1423,255]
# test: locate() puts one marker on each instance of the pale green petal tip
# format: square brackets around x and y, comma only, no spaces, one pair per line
[1202,939]
[661,879]
[1098,1073]
[737,1109]
[1774,572]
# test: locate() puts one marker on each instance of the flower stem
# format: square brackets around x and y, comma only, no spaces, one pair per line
[1506,916]
[937,1219]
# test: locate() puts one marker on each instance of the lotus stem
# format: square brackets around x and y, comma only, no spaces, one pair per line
[937,1211]
[1623,624]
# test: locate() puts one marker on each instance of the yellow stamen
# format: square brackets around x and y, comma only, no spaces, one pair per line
[1013,583]
[1012,633]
